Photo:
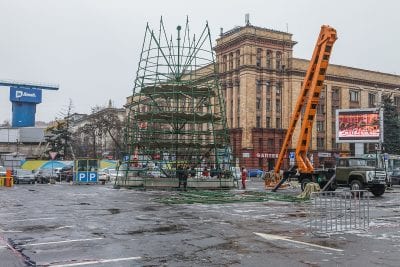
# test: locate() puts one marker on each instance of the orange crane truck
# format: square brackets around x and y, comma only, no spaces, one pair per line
[308,100]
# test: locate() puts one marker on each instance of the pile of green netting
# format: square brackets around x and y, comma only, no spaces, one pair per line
[221,197]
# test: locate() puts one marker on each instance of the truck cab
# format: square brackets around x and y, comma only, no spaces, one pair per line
[357,174]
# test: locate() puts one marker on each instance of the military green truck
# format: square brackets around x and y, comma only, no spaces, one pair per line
[358,174]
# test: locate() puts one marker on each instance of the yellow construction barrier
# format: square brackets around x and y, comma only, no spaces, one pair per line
[7,180]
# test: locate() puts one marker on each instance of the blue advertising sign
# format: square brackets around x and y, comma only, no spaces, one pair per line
[87,177]
[19,94]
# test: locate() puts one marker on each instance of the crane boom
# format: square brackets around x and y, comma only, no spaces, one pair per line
[309,97]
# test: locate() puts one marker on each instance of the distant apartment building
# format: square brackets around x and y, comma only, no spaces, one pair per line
[21,142]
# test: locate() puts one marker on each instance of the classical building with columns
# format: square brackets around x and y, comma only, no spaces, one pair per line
[261,80]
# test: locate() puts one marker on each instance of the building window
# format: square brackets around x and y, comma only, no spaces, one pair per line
[278,60]
[258,87]
[258,103]
[230,61]
[268,122]
[237,58]
[269,59]
[320,126]
[270,143]
[320,142]
[278,105]
[371,100]
[268,105]
[278,123]
[321,109]
[260,143]
[238,106]
[354,96]
[258,57]
[335,93]
[322,94]
[268,85]
[258,122]
[224,63]
[278,88]
[238,121]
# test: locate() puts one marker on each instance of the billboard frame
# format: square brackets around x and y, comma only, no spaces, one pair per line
[378,110]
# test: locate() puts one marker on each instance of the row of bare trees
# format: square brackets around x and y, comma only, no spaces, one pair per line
[97,135]
[101,135]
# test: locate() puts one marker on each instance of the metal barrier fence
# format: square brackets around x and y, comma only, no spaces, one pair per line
[332,212]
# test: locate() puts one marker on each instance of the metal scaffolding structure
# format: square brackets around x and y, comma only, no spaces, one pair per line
[177,112]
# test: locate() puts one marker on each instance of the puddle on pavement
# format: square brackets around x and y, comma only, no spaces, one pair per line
[114,211]
[161,229]
[297,215]
[38,228]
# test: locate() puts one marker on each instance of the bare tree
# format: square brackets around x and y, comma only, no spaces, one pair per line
[103,126]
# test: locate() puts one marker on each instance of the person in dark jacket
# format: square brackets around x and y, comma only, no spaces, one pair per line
[182,174]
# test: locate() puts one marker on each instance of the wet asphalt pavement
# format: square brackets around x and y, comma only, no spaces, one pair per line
[96,225]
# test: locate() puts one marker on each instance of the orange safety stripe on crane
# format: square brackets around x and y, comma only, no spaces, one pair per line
[309,96]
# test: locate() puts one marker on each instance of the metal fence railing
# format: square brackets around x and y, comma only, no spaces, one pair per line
[332,212]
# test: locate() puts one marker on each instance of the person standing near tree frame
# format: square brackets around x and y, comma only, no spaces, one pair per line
[244,177]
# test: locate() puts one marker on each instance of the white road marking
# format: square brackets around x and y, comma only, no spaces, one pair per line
[95,261]
[35,219]
[9,231]
[62,227]
[63,241]
[285,238]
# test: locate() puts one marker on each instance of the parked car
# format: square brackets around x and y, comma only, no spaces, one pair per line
[114,174]
[23,176]
[395,177]
[154,172]
[44,175]
[2,171]
[255,173]
[66,173]
[109,174]
[103,175]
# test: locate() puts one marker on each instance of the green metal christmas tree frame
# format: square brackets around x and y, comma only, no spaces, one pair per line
[176,113]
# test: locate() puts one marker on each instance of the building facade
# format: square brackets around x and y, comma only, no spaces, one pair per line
[261,81]
[97,134]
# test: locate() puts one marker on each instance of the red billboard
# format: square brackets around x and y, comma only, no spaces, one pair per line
[359,126]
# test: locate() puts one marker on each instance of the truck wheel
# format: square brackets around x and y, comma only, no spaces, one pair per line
[355,186]
[304,182]
[378,190]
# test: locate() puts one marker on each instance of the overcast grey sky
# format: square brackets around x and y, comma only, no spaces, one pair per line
[91,47]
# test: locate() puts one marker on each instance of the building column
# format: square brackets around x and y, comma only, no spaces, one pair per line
[264,105]
[273,105]
[229,106]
